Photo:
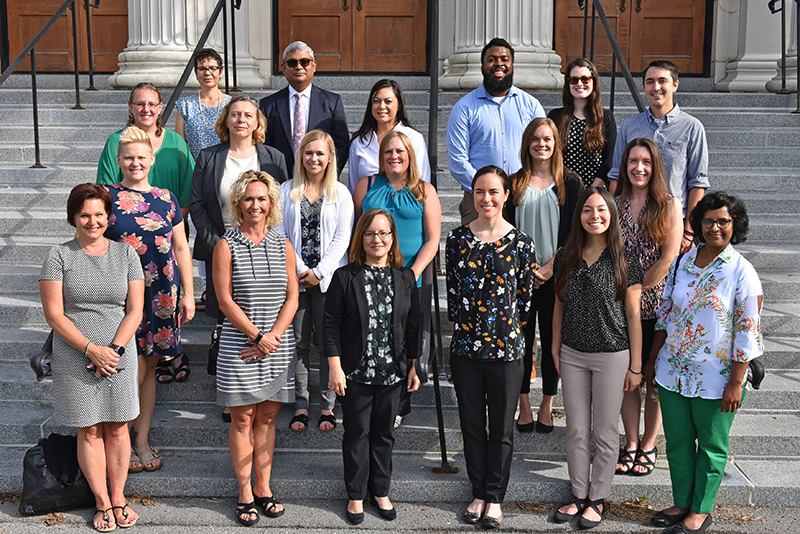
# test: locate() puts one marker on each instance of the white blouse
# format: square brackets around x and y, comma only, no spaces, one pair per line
[363,159]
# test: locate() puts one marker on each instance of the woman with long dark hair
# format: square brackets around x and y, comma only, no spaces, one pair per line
[544,196]
[651,222]
[588,130]
[597,341]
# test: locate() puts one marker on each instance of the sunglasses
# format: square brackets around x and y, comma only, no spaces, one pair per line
[292,63]
[573,80]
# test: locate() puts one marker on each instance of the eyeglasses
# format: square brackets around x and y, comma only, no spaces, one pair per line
[573,80]
[143,105]
[212,70]
[292,63]
[368,236]
[721,223]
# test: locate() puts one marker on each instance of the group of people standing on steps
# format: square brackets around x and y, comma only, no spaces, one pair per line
[286,253]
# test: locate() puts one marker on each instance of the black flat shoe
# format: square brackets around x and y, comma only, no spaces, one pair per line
[586,524]
[526,427]
[663,520]
[542,428]
[355,519]
[226,416]
[680,528]
[491,523]
[561,517]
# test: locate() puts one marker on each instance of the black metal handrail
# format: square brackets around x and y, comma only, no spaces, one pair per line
[30,48]
[772,5]
[220,7]
[597,11]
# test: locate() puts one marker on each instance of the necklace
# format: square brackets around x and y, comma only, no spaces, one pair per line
[203,115]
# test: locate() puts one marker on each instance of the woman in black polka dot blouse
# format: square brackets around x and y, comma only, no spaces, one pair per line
[588,131]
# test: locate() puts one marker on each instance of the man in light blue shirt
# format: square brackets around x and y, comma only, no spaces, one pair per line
[485,127]
[680,137]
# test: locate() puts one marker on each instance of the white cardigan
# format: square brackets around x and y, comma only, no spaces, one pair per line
[336,225]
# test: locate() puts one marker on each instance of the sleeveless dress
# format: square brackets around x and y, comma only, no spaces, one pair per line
[144,220]
[259,288]
[406,211]
[94,289]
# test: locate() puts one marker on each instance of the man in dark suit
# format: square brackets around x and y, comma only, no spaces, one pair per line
[316,109]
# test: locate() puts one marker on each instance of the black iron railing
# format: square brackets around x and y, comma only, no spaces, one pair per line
[30,48]
[221,7]
[617,57]
[773,7]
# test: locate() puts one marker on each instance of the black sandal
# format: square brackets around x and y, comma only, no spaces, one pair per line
[299,418]
[586,524]
[182,368]
[164,374]
[643,460]
[563,517]
[201,304]
[627,458]
[326,418]
[269,505]
[246,508]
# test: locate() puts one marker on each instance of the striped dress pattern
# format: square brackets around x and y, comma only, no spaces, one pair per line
[259,288]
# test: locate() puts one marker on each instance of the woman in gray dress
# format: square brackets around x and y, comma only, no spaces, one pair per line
[256,285]
[94,324]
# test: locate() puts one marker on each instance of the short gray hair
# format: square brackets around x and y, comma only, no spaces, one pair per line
[295,47]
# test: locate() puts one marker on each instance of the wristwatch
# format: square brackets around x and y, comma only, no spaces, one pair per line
[119,349]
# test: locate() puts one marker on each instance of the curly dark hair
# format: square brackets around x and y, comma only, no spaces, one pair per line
[207,53]
[714,201]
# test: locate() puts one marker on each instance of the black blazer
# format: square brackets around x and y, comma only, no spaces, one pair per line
[205,209]
[574,187]
[347,317]
[610,134]
[326,114]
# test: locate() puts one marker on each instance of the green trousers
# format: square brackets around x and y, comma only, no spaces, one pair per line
[697,448]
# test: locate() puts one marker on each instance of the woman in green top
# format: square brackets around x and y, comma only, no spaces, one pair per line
[174,165]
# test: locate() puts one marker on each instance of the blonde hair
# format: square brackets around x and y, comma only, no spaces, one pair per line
[330,183]
[415,183]
[259,134]
[147,86]
[134,134]
[237,193]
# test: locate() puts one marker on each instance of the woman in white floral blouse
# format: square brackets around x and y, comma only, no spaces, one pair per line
[708,330]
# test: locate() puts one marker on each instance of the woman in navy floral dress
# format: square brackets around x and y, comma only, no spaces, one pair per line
[149,219]
[489,280]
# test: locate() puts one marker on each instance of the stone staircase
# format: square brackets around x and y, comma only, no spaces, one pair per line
[754,142]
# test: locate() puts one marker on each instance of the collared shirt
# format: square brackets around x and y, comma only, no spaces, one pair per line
[363,160]
[712,319]
[293,101]
[682,141]
[482,132]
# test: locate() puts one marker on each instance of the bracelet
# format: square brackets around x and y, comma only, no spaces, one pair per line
[86,350]
[257,340]
[634,372]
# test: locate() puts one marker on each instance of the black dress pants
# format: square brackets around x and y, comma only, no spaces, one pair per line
[487,387]
[542,304]
[369,413]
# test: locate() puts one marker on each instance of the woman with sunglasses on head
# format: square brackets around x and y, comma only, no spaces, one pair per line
[317,220]
[588,131]
[651,221]
[371,329]
[708,330]
[386,112]
[597,341]
[489,266]
[544,196]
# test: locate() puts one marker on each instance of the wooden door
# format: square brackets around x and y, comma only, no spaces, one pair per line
[646,30]
[357,35]
[54,53]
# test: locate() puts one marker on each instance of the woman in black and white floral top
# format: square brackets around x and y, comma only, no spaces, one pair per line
[489,281]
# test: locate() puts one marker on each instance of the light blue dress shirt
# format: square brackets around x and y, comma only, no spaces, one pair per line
[482,132]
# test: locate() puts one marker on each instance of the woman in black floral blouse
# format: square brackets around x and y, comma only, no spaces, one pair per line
[370,363]
[489,280]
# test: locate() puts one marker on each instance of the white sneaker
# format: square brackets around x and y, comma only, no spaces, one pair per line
[398,421]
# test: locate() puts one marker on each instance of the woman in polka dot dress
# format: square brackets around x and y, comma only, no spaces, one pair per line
[588,131]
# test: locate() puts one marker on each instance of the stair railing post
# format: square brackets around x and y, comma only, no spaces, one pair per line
[797,56]
[591,44]
[86,6]
[233,45]
[225,44]
[75,56]
[35,96]
[613,81]
[585,25]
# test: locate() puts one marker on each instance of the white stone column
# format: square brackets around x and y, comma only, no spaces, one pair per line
[162,35]
[526,24]
[759,47]
[774,85]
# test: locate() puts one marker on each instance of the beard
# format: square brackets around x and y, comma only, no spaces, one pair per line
[494,85]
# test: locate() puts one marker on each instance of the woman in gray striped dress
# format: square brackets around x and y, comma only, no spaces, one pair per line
[256,286]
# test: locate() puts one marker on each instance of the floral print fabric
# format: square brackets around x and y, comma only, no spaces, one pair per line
[144,220]
[309,231]
[377,365]
[712,319]
[489,294]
